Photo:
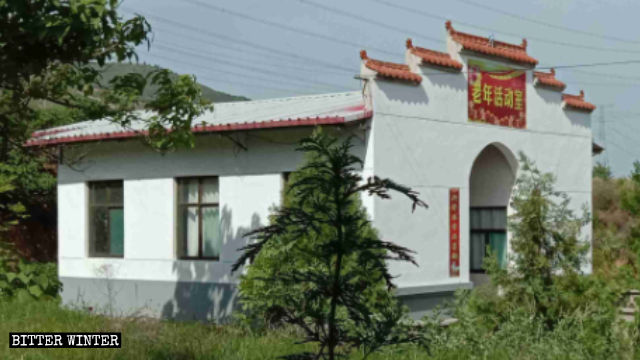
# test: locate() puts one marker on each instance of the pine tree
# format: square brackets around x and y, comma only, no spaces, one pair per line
[320,265]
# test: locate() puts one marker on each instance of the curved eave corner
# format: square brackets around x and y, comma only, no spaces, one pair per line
[389,70]
[577,102]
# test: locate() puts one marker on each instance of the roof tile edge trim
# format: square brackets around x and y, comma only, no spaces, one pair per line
[434,58]
[272,124]
[577,102]
[385,69]
[470,42]
[548,80]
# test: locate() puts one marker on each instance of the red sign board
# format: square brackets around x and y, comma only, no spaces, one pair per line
[454,232]
[497,95]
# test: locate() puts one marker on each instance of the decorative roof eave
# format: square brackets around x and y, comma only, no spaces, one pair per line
[548,80]
[493,48]
[434,58]
[202,129]
[390,70]
[577,102]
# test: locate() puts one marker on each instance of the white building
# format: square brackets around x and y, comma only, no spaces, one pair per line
[157,234]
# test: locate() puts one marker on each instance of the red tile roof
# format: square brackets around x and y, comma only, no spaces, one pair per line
[516,53]
[127,134]
[549,79]
[389,69]
[309,111]
[577,102]
[432,57]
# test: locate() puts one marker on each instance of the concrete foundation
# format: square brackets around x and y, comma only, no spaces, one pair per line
[185,300]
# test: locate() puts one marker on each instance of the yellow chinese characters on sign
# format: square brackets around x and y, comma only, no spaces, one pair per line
[496,95]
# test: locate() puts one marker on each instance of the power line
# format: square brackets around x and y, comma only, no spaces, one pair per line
[627,112]
[234,82]
[605,84]
[230,72]
[603,137]
[573,66]
[277,79]
[539,22]
[260,53]
[614,76]
[625,136]
[236,40]
[623,62]
[631,155]
[292,29]
[299,83]
[369,21]
[297,56]
[471,25]
[610,63]
[248,67]
[627,121]
[251,62]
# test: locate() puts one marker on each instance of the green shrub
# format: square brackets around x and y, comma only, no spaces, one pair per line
[22,280]
[320,265]
[512,332]
[541,306]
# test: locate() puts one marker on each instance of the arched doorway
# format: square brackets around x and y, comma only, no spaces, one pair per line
[490,183]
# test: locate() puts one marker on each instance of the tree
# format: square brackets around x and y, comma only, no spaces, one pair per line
[320,265]
[48,55]
[10,210]
[630,201]
[631,194]
[602,171]
[541,305]
[546,250]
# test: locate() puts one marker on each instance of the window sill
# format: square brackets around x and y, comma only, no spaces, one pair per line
[199,258]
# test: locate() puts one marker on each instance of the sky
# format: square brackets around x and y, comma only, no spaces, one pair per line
[276,48]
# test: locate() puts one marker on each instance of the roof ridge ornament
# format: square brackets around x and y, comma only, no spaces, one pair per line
[524,43]
[449,27]
[409,43]
[363,55]
[581,94]
[553,71]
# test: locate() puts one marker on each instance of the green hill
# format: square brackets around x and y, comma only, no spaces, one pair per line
[111,70]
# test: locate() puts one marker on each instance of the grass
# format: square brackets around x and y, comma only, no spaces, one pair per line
[152,339]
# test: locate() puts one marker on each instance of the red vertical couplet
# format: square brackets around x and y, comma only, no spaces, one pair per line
[454,232]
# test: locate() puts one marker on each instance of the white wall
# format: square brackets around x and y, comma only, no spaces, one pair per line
[422,138]
[419,136]
[72,220]
[250,185]
[149,219]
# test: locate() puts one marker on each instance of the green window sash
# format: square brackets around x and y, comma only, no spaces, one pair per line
[498,246]
[116,232]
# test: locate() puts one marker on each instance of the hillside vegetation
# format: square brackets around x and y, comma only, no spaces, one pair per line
[112,70]
[616,223]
